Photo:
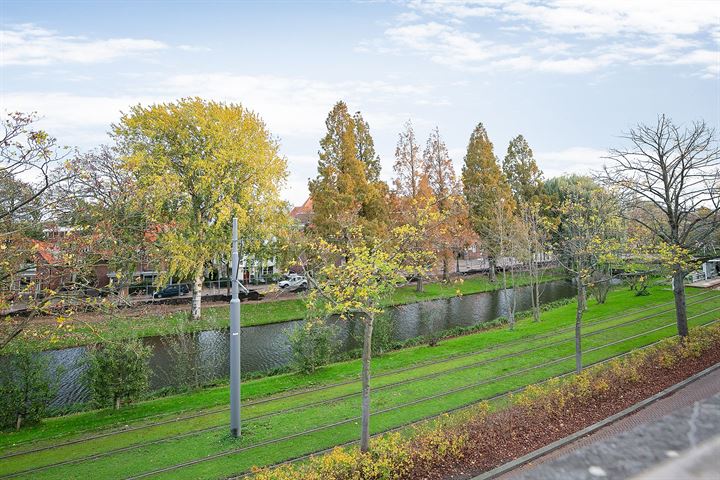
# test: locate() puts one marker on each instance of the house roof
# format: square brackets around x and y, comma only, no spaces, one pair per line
[303,210]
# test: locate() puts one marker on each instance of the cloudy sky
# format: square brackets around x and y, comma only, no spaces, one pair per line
[569,75]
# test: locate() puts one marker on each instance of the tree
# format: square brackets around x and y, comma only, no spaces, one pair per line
[344,186]
[26,388]
[30,167]
[365,148]
[669,179]
[523,175]
[100,199]
[590,236]
[371,270]
[118,371]
[197,164]
[484,185]
[408,165]
[533,231]
[438,167]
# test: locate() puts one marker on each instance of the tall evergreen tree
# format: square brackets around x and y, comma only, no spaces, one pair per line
[365,148]
[522,172]
[485,186]
[342,189]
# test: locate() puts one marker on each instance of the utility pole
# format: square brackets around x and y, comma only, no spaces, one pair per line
[235,423]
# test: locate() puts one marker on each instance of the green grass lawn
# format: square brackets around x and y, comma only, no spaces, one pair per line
[408,385]
[259,313]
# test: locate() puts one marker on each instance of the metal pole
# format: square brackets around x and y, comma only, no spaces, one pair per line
[235,423]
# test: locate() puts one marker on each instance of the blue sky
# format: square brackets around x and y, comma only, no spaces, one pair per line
[569,75]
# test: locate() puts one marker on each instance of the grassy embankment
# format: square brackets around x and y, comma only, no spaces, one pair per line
[256,313]
[408,385]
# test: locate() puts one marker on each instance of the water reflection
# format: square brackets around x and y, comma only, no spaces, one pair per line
[266,347]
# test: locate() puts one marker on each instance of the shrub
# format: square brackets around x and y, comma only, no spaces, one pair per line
[313,345]
[118,371]
[416,452]
[26,389]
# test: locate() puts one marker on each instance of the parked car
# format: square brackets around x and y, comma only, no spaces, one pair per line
[172,291]
[293,282]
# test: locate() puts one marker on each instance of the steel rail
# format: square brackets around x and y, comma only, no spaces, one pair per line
[388,373]
[386,410]
[252,419]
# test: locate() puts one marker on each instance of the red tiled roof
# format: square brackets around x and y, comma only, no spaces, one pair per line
[304,209]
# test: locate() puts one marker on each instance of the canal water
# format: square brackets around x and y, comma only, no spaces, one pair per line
[266,347]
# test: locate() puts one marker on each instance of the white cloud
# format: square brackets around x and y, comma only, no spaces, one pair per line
[28,44]
[561,36]
[581,160]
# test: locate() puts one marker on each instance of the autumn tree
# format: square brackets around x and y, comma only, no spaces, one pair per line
[590,236]
[438,167]
[408,165]
[523,175]
[365,148]
[669,177]
[346,184]
[197,164]
[371,270]
[414,202]
[484,185]
[534,234]
[30,167]
[100,199]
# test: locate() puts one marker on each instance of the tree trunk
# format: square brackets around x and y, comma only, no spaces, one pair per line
[18,421]
[457,264]
[491,272]
[446,268]
[578,324]
[680,307]
[197,294]
[117,403]
[419,287]
[510,313]
[366,353]
[535,290]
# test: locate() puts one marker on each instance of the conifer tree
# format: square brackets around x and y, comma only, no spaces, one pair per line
[365,148]
[342,190]
[438,167]
[484,185]
[522,172]
[408,165]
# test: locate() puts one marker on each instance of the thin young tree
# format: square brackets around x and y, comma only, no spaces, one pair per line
[590,235]
[669,177]
[370,271]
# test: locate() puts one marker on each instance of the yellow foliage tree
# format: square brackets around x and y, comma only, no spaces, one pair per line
[197,164]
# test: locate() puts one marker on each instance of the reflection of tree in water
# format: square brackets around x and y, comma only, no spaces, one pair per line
[194,358]
[431,317]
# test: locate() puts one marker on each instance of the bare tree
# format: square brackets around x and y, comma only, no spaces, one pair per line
[533,237]
[668,175]
[29,168]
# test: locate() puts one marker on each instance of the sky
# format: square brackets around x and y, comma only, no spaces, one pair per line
[571,76]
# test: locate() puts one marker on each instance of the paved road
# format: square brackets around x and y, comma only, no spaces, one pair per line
[662,431]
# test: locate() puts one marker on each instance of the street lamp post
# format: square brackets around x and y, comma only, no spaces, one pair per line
[235,423]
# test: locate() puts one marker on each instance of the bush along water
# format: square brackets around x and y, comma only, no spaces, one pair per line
[27,386]
[485,435]
[118,371]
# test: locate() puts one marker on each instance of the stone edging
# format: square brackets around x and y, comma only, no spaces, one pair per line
[540,452]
